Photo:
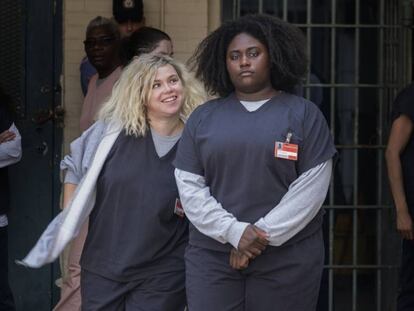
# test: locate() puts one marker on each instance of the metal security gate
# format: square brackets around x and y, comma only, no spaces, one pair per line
[30,66]
[360,56]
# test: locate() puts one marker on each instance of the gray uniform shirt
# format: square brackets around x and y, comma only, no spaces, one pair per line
[227,145]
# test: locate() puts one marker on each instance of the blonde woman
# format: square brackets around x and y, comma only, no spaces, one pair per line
[119,173]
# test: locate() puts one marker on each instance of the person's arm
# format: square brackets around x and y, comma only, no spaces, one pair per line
[298,206]
[401,131]
[211,219]
[68,191]
[10,148]
[82,151]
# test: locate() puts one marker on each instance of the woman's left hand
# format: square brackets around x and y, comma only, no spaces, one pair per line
[253,242]
[238,260]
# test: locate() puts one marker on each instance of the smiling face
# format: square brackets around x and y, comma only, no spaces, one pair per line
[166,98]
[248,65]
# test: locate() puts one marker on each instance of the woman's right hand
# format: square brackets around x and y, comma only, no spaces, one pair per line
[253,242]
[405,224]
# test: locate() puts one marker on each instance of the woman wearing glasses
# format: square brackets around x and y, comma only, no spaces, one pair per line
[102,47]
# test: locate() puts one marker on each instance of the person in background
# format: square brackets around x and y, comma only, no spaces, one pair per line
[102,45]
[146,40]
[129,14]
[133,257]
[253,168]
[400,162]
[10,153]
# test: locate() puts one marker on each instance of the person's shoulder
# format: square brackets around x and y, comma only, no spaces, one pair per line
[117,72]
[405,95]
[85,63]
[409,89]
[303,112]
[207,108]
[86,68]
[404,102]
[6,116]
[92,82]
[96,130]
[299,105]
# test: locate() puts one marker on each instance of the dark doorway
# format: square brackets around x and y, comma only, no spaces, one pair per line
[30,67]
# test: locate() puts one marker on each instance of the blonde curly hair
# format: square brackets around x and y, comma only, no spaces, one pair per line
[131,93]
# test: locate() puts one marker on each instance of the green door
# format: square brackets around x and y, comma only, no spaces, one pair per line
[30,62]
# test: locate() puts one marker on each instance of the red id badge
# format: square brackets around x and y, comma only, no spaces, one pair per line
[178,209]
[286,151]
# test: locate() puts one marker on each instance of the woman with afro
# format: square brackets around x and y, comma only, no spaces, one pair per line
[253,168]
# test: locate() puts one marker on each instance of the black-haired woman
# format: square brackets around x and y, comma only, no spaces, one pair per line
[253,168]
[146,40]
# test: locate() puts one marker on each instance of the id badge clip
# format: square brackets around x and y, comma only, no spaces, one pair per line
[178,209]
[286,150]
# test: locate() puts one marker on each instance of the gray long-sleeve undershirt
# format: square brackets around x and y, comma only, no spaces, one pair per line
[296,209]
[11,151]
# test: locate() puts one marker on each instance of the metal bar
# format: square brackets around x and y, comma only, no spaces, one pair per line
[348,85]
[285,10]
[162,15]
[360,146]
[331,252]
[308,43]
[394,50]
[332,117]
[380,159]
[355,236]
[237,9]
[361,267]
[352,26]
[368,207]
[260,6]
[405,19]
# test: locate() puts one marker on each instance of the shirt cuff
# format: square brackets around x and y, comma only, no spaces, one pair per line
[261,224]
[71,178]
[235,233]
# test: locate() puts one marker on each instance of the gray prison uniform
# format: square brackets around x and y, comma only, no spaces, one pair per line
[228,156]
[133,254]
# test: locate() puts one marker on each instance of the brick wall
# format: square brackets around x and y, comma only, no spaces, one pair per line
[186,21]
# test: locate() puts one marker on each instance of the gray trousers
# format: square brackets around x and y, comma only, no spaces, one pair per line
[285,278]
[164,292]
